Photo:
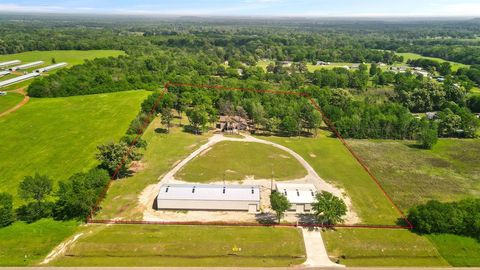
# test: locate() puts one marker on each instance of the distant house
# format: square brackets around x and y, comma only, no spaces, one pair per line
[422,72]
[440,79]
[401,69]
[431,115]
[232,124]
[209,197]
[354,66]
[300,196]
[322,63]
[3,93]
[286,63]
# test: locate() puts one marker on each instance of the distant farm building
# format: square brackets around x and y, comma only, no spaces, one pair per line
[322,63]
[300,196]
[4,72]
[232,124]
[209,197]
[26,66]
[19,79]
[9,63]
[51,67]
[431,115]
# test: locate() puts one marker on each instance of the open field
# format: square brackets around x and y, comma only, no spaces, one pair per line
[408,56]
[162,152]
[239,160]
[335,164]
[72,57]
[372,247]
[459,251]
[27,244]
[449,171]
[10,100]
[59,136]
[151,245]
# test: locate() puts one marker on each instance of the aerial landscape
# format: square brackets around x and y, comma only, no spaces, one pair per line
[247,133]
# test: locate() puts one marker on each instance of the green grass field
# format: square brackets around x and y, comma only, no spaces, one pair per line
[373,247]
[413,56]
[151,245]
[9,101]
[59,136]
[162,152]
[72,57]
[449,171]
[27,244]
[335,164]
[240,160]
[459,251]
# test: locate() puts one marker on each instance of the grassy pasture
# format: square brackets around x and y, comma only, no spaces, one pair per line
[413,56]
[335,164]
[150,245]
[162,152]
[238,160]
[459,251]
[26,244]
[449,171]
[9,101]
[59,136]
[372,247]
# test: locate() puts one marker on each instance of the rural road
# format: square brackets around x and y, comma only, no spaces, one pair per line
[19,105]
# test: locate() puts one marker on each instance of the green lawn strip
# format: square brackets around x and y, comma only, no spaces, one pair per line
[59,136]
[239,160]
[152,245]
[335,164]
[374,247]
[72,57]
[411,176]
[9,101]
[459,251]
[162,152]
[24,244]
[413,56]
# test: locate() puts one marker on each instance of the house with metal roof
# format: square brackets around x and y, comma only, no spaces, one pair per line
[300,196]
[209,197]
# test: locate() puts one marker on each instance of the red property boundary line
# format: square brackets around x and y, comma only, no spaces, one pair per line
[278,92]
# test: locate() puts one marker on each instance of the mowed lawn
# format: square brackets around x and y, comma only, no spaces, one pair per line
[450,171]
[240,160]
[459,251]
[374,247]
[335,164]
[153,245]
[59,136]
[9,101]
[162,152]
[27,244]
[413,56]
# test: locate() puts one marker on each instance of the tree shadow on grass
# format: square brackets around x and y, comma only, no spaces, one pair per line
[161,130]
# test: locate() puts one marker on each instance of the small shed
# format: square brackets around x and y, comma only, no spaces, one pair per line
[300,196]
[209,197]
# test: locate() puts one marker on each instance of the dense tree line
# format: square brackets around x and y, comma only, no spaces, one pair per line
[462,218]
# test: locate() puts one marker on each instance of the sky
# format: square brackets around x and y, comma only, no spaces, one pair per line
[281,8]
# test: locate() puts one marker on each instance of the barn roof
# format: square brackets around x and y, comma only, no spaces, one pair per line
[209,192]
[297,193]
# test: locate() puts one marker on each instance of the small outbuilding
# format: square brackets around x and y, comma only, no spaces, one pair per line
[209,197]
[300,196]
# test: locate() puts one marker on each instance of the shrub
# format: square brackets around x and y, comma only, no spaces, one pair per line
[7,216]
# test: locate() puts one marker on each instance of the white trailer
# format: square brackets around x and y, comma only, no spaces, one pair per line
[4,72]
[25,66]
[45,69]
[9,63]
[19,79]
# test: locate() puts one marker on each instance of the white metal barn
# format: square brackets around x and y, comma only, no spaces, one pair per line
[25,66]
[45,69]
[301,196]
[9,63]
[209,197]
[19,79]
[4,72]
